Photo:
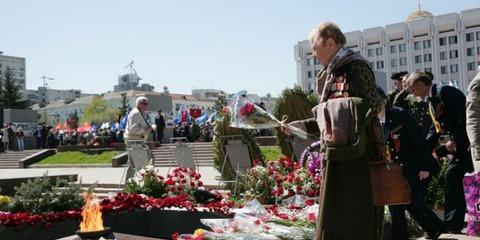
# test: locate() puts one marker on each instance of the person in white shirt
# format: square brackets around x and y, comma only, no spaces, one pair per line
[138,127]
[136,134]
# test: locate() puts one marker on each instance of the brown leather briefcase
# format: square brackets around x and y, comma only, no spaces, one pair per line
[389,185]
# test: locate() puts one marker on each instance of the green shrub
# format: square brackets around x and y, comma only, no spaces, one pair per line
[297,105]
[39,195]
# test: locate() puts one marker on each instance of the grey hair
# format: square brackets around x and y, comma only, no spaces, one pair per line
[325,31]
[139,100]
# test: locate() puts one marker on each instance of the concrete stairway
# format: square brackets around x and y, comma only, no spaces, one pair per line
[10,159]
[202,153]
[102,191]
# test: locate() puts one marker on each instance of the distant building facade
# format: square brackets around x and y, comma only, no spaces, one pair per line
[47,95]
[447,45]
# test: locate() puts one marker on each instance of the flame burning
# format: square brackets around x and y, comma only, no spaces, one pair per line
[91,214]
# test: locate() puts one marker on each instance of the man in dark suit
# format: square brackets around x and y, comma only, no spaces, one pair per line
[407,146]
[160,122]
[397,86]
[448,113]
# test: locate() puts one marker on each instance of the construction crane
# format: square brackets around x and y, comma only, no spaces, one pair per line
[130,66]
[46,78]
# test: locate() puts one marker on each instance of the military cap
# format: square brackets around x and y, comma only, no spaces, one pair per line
[398,75]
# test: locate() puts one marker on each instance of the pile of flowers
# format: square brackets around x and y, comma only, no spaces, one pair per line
[21,219]
[183,180]
[130,202]
[254,221]
[180,181]
[148,182]
[281,179]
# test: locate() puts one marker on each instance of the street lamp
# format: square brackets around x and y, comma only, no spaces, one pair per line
[44,97]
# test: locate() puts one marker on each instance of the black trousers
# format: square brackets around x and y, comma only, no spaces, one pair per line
[455,206]
[423,215]
[159,135]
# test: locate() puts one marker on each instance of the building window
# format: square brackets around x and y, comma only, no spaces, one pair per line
[453,54]
[478,50]
[427,57]
[379,64]
[402,47]
[454,68]
[309,61]
[418,59]
[428,69]
[315,61]
[478,36]
[394,62]
[443,41]
[417,45]
[427,43]
[443,55]
[471,51]
[379,51]
[471,66]
[370,52]
[469,37]
[393,49]
[403,61]
[443,69]
[309,74]
[452,40]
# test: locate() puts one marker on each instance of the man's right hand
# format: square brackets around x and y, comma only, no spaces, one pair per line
[298,123]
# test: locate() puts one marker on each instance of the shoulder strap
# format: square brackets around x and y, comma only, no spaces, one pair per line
[141,113]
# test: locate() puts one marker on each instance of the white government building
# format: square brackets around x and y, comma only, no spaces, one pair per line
[447,45]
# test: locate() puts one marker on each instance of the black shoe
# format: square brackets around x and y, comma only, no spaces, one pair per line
[433,235]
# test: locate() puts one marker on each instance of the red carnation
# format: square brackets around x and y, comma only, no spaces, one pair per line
[247,109]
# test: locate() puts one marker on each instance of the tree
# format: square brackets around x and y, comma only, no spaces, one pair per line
[10,95]
[220,102]
[125,106]
[98,111]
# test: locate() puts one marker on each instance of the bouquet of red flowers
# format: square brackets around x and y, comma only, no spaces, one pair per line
[246,114]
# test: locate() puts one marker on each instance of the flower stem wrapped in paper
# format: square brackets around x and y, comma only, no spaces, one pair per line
[245,114]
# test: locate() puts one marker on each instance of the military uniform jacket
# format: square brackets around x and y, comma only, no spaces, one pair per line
[405,142]
[449,104]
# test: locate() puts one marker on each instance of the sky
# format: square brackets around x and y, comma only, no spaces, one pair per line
[183,44]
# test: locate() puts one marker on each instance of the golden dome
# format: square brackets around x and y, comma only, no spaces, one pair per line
[419,14]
